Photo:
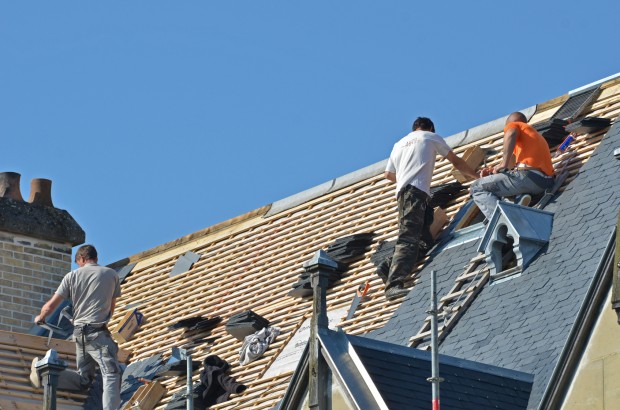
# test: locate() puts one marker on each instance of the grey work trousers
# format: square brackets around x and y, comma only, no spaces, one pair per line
[487,191]
[413,222]
[98,349]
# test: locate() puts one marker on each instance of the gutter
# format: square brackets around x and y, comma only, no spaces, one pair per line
[577,340]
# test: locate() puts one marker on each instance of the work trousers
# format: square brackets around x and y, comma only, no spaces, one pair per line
[96,348]
[487,191]
[414,220]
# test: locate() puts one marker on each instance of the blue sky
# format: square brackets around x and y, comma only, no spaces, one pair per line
[157,119]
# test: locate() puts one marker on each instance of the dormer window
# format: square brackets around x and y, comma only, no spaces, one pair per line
[513,237]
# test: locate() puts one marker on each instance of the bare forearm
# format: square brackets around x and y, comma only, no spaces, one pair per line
[390,176]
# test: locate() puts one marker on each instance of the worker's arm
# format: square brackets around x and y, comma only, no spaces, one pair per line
[508,157]
[112,306]
[461,165]
[49,307]
[390,176]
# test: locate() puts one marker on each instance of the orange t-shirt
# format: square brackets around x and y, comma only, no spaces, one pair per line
[531,148]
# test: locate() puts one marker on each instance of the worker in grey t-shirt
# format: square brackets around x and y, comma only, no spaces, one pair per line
[93,290]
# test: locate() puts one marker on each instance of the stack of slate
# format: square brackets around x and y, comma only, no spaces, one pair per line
[176,366]
[442,194]
[349,248]
[245,323]
[303,287]
[343,251]
[553,130]
[196,323]
[588,125]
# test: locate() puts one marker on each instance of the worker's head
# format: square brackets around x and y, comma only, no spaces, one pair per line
[516,117]
[86,254]
[423,124]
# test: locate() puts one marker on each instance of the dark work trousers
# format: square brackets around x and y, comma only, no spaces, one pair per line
[413,225]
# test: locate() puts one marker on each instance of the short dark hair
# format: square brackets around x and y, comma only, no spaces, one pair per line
[88,252]
[424,124]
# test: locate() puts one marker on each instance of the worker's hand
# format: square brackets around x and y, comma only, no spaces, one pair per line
[501,167]
[485,172]
[39,320]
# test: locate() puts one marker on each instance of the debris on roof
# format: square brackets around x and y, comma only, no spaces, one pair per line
[176,365]
[184,263]
[349,248]
[553,130]
[442,194]
[196,323]
[127,326]
[125,271]
[216,385]
[244,324]
[255,345]
[588,125]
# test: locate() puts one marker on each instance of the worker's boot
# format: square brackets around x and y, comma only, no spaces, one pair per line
[396,292]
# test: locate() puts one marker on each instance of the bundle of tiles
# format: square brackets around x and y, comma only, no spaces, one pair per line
[245,323]
[442,194]
[343,251]
[303,287]
[553,130]
[588,125]
[349,248]
[197,323]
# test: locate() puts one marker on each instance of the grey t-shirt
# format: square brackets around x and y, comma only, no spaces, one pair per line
[91,289]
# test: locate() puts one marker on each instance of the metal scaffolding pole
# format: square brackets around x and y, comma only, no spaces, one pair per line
[434,379]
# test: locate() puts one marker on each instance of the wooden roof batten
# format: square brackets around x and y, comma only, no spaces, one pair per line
[250,262]
[286,239]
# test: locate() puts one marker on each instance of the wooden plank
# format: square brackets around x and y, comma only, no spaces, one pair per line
[473,156]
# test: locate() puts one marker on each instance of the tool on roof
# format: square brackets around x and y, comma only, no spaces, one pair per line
[361,291]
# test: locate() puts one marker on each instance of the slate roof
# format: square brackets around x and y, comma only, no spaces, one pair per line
[400,375]
[251,262]
[523,323]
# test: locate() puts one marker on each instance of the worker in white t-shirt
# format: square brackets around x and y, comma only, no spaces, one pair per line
[411,166]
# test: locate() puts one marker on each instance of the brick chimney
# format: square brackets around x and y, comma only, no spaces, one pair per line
[35,250]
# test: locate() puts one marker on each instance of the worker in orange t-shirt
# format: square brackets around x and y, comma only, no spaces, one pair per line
[525,167]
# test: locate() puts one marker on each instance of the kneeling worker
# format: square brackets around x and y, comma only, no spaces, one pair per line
[525,167]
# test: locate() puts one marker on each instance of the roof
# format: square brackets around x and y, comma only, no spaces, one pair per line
[524,323]
[252,261]
[396,376]
[400,375]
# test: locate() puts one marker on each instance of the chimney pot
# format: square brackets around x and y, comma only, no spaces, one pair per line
[9,186]
[41,192]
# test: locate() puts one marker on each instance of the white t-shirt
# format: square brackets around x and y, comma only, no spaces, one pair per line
[413,159]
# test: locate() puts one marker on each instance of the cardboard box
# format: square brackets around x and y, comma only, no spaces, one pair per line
[473,156]
[146,397]
[127,327]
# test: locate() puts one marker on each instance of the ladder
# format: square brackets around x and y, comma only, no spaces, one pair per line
[455,302]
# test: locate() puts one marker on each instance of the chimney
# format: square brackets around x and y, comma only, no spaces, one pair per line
[36,242]
[41,192]
[9,186]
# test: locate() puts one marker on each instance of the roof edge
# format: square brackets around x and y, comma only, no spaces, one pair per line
[189,238]
[443,359]
[576,342]
[594,84]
